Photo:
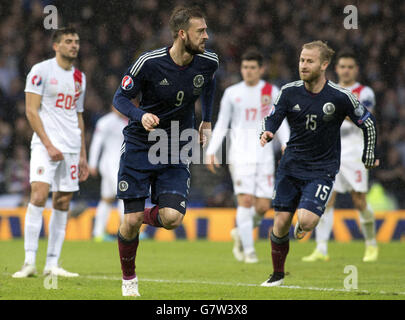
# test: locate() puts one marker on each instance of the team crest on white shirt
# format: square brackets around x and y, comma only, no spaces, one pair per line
[78,87]
[266,100]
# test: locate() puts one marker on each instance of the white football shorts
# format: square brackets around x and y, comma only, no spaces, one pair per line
[255,179]
[109,184]
[352,176]
[60,175]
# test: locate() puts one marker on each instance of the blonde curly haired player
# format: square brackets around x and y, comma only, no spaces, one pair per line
[352,177]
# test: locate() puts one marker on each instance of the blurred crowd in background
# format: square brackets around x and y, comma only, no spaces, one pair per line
[113,33]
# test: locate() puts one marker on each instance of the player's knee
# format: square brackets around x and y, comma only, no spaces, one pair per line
[170,218]
[359,201]
[62,201]
[245,200]
[282,223]
[38,200]
[261,209]
[133,220]
[308,223]
[39,194]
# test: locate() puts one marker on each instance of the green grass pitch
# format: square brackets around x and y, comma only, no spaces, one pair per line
[194,270]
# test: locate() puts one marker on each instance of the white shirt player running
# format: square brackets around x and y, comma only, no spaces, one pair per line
[107,142]
[244,107]
[251,165]
[352,174]
[62,94]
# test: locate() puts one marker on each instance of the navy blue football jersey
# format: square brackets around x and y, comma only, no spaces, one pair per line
[167,90]
[313,150]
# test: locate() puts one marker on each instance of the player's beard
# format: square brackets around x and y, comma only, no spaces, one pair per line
[313,76]
[192,48]
[68,57]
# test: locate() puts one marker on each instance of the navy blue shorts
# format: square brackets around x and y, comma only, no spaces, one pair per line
[293,193]
[139,179]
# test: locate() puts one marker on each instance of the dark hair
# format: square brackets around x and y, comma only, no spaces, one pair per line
[180,18]
[57,34]
[347,54]
[253,55]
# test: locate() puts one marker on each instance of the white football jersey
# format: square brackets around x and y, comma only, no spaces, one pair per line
[62,94]
[107,141]
[244,107]
[352,136]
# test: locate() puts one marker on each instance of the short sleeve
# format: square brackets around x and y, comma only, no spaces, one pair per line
[35,82]
[367,98]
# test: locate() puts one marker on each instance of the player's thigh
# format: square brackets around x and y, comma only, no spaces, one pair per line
[66,178]
[262,205]
[315,195]
[359,200]
[243,178]
[171,186]
[352,176]
[287,193]
[264,186]
[108,185]
[332,199]
[133,180]
[42,168]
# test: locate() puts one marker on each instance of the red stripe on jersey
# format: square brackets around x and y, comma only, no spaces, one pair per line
[357,91]
[78,79]
[266,99]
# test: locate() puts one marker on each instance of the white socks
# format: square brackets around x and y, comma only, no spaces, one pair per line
[102,214]
[244,222]
[367,222]
[323,230]
[32,228]
[57,230]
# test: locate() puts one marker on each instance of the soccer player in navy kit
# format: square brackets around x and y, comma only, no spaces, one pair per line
[315,108]
[170,80]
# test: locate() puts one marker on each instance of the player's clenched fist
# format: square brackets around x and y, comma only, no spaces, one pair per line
[150,121]
[375,165]
[265,137]
[54,153]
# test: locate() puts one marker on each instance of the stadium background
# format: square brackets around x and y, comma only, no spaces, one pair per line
[113,33]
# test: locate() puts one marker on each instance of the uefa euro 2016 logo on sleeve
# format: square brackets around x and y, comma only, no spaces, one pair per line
[127,83]
[36,80]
